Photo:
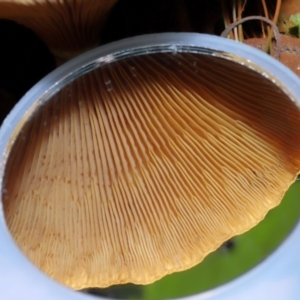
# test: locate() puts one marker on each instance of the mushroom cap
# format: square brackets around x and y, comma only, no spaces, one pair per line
[67,27]
[143,166]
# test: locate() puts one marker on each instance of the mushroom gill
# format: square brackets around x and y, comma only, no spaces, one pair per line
[67,27]
[142,167]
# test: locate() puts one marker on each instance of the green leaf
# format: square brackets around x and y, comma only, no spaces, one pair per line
[295,30]
[296,19]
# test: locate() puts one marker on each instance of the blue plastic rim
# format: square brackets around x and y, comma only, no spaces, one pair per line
[279,270]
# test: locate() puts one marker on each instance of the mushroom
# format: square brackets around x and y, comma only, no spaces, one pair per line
[67,27]
[143,166]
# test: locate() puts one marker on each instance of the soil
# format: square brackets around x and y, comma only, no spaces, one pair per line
[289,50]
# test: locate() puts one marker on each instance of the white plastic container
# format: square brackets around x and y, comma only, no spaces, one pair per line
[277,277]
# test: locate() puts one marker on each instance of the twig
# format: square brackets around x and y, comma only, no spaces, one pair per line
[275,19]
[240,12]
[273,25]
[234,19]
[277,11]
[267,16]
[265,8]
[226,17]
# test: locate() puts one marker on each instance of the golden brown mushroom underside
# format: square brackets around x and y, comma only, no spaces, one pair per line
[143,167]
[67,27]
